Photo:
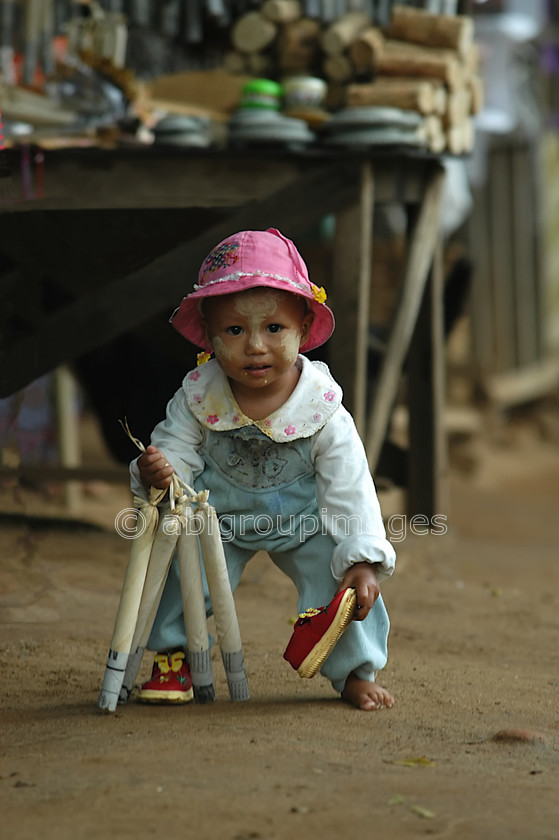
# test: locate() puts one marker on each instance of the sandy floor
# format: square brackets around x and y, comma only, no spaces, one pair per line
[473,652]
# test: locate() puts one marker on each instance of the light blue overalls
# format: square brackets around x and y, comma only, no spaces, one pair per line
[264,494]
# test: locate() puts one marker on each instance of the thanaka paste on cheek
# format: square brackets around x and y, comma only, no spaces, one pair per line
[220,348]
[290,343]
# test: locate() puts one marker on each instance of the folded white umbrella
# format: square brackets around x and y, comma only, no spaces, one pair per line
[130,599]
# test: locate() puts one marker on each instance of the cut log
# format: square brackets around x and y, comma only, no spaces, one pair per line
[472,59]
[298,45]
[469,130]
[401,61]
[458,107]
[421,50]
[409,94]
[439,92]
[435,134]
[455,140]
[335,96]
[235,62]
[252,33]
[469,62]
[421,27]
[338,68]
[366,47]
[475,85]
[440,96]
[340,34]
[282,11]
[260,64]
[460,138]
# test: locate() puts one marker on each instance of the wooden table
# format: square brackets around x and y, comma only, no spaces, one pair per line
[221,192]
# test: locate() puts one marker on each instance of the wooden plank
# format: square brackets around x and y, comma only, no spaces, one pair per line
[501,260]
[419,258]
[68,429]
[170,177]
[163,180]
[481,305]
[525,278]
[425,380]
[523,386]
[109,311]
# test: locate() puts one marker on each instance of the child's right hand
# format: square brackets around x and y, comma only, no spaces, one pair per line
[155,470]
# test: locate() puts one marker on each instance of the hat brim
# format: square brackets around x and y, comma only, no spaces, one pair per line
[186,319]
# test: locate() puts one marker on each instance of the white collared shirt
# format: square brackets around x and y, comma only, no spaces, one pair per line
[345,492]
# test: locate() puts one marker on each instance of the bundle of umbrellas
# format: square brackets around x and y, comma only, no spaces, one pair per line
[186,524]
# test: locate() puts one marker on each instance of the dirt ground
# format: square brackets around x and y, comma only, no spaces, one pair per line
[473,652]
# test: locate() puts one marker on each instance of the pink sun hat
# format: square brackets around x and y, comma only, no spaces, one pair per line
[247,260]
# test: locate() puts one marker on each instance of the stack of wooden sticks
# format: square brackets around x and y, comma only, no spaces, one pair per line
[424,62]
[419,61]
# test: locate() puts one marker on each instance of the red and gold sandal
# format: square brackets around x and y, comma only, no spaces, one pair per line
[317,631]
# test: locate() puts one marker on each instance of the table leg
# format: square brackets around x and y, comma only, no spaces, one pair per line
[351,292]
[420,255]
[428,465]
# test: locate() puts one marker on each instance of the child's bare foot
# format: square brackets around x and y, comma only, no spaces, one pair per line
[366,695]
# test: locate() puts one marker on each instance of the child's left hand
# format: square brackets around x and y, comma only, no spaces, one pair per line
[362,577]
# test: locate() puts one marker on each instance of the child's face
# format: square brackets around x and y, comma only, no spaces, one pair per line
[256,334]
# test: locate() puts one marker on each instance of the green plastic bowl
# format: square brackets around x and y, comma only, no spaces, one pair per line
[261,93]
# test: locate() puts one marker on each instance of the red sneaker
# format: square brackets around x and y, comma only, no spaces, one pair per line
[170,680]
[317,631]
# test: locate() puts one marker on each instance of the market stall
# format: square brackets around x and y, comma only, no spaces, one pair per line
[321,160]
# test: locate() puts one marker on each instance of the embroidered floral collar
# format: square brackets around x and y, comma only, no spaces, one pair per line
[315,399]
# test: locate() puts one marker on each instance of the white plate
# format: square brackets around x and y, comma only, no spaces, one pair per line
[250,116]
[266,119]
[370,116]
[376,137]
[281,129]
[180,124]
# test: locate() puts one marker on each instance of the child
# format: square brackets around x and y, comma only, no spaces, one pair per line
[264,430]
